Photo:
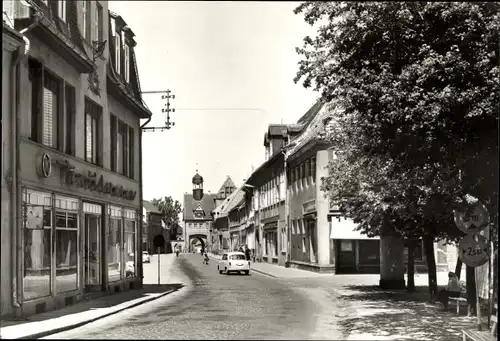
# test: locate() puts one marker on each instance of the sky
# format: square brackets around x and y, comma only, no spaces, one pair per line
[230,66]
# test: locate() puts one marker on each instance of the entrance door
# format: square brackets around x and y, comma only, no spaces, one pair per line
[93,245]
[346,253]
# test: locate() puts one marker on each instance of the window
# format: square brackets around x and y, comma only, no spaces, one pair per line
[113,122]
[130,244]
[37,212]
[86,19]
[98,22]
[92,116]
[313,169]
[126,62]
[301,174]
[70,119]
[114,244]
[131,167]
[61,9]
[50,111]
[122,149]
[307,171]
[117,53]
[67,250]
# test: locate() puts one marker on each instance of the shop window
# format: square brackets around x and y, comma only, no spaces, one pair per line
[114,245]
[37,218]
[369,252]
[130,245]
[92,132]
[92,243]
[67,250]
[283,239]
[275,244]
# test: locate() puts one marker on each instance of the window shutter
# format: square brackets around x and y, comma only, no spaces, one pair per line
[131,152]
[113,143]
[48,107]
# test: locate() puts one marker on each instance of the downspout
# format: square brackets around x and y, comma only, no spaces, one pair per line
[17,247]
[141,224]
[287,211]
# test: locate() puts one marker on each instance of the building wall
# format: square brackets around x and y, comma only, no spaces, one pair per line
[57,183]
[9,44]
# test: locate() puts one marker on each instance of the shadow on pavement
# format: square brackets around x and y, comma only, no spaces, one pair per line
[93,301]
[400,315]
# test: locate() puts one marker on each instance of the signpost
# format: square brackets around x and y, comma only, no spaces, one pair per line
[474,248]
[158,265]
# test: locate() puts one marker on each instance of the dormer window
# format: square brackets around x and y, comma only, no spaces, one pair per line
[117,53]
[126,62]
[61,9]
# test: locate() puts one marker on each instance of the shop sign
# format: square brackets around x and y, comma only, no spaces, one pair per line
[309,207]
[474,250]
[92,182]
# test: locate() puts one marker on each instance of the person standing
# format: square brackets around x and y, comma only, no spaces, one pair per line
[247,252]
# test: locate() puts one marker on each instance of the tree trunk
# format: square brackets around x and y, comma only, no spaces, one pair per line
[431,266]
[458,268]
[470,278]
[411,266]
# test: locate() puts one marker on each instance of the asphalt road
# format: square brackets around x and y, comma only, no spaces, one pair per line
[210,306]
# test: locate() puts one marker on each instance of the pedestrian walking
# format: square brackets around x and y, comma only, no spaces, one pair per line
[247,252]
[206,259]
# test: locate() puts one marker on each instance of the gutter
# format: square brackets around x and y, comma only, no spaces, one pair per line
[141,201]
[16,193]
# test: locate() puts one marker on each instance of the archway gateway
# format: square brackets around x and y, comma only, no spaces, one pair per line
[159,242]
[197,241]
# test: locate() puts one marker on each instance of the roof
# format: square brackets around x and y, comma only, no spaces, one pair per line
[311,113]
[230,202]
[264,165]
[190,204]
[197,179]
[323,120]
[148,205]
[227,183]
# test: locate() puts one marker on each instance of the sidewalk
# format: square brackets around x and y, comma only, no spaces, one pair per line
[84,312]
[277,271]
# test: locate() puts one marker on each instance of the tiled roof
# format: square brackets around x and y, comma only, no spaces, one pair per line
[311,113]
[148,205]
[231,201]
[190,204]
[227,183]
[322,121]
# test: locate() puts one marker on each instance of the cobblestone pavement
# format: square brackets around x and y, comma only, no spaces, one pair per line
[211,306]
[336,307]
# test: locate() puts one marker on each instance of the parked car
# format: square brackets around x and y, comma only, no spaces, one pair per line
[233,262]
[146,258]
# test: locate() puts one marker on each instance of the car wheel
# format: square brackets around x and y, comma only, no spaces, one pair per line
[246,272]
[220,271]
[227,271]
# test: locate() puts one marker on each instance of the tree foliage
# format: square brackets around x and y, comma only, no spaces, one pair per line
[418,84]
[170,210]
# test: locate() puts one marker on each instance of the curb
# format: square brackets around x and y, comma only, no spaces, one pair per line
[264,273]
[79,324]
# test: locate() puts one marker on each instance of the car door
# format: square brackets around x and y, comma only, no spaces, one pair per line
[223,262]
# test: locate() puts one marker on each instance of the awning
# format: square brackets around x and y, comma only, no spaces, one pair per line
[346,229]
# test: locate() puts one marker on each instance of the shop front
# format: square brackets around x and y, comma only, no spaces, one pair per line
[270,242]
[351,251]
[79,230]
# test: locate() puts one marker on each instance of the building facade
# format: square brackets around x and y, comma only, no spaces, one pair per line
[78,202]
[197,216]
[156,232]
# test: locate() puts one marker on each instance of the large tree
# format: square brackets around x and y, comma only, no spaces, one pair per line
[418,86]
[170,210]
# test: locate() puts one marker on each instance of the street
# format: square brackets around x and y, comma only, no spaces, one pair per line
[214,306]
[210,306]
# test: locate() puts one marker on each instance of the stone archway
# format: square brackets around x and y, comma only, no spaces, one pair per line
[197,241]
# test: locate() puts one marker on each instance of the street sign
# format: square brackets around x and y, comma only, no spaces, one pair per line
[474,250]
[473,220]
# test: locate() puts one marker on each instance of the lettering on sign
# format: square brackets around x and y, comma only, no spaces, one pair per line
[92,182]
[474,250]
[473,220]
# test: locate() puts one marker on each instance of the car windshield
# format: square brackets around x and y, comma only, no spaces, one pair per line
[237,257]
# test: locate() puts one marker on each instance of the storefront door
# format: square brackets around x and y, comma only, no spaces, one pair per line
[93,245]
[346,256]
